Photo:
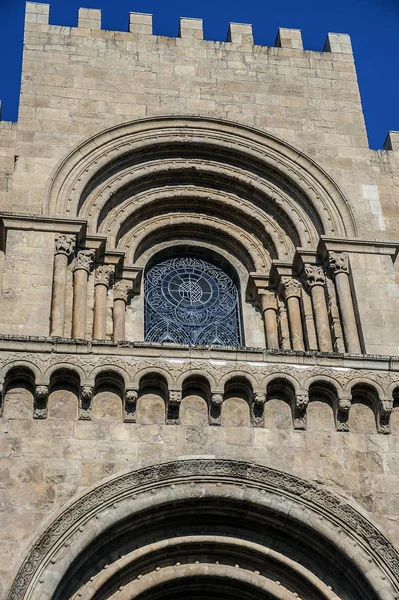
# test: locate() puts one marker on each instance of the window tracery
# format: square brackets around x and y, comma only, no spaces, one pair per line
[191,301]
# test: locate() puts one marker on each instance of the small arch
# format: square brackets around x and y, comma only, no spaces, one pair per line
[280,397]
[66,368]
[63,393]
[114,374]
[238,395]
[108,395]
[323,402]
[196,398]
[153,396]
[365,401]
[19,392]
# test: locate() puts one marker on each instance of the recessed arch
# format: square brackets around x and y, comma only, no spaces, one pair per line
[249,151]
[231,499]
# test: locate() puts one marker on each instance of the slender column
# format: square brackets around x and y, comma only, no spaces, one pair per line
[315,281]
[64,247]
[82,268]
[122,291]
[339,266]
[269,311]
[292,292]
[104,276]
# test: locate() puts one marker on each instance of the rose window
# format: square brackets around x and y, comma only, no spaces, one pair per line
[191,301]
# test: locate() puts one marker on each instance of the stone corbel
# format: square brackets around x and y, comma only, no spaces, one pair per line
[342,412]
[130,405]
[86,402]
[40,410]
[215,408]
[258,408]
[384,412]
[299,410]
[173,407]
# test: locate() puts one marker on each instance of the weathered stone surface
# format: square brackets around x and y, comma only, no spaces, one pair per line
[131,146]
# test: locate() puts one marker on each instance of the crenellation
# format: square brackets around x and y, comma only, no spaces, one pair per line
[240,33]
[197,268]
[339,43]
[140,23]
[190,28]
[89,18]
[289,38]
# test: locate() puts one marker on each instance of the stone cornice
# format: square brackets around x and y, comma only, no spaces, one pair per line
[358,246]
[41,223]
[180,352]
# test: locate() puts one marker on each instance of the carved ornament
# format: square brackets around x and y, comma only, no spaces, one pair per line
[313,275]
[217,399]
[84,260]
[104,275]
[341,516]
[65,244]
[291,288]
[122,290]
[338,263]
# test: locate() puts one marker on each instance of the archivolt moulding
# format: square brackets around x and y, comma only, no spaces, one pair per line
[95,159]
[359,541]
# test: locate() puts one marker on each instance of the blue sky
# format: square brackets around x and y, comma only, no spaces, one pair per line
[372,24]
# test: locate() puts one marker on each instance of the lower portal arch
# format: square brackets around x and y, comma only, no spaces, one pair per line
[209,520]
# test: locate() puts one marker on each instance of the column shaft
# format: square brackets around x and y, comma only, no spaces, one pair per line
[100,311]
[321,318]
[349,324]
[80,278]
[295,321]
[119,319]
[270,321]
[59,295]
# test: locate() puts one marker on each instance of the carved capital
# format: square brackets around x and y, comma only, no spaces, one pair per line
[313,275]
[291,288]
[130,406]
[386,406]
[41,402]
[84,260]
[302,400]
[104,275]
[131,396]
[122,290]
[175,397]
[267,300]
[344,402]
[259,398]
[338,263]
[41,392]
[65,244]
[217,399]
[85,402]
[87,392]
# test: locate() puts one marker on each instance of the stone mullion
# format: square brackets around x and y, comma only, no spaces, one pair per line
[339,266]
[65,246]
[82,268]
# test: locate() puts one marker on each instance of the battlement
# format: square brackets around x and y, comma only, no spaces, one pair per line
[189,28]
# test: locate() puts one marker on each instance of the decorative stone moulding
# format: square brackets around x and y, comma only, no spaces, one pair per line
[128,365]
[260,489]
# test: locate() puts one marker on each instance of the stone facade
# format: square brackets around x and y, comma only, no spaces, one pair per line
[153,469]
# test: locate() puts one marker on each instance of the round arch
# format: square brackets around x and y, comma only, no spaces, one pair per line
[246,504]
[303,192]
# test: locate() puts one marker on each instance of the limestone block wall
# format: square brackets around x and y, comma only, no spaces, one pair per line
[44,463]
